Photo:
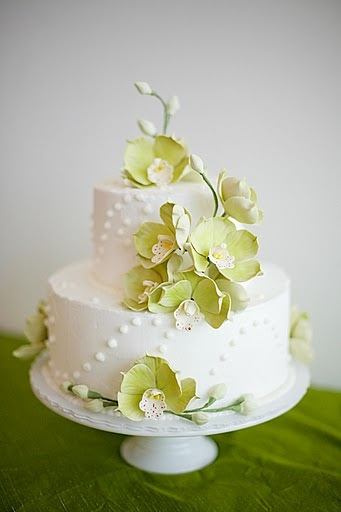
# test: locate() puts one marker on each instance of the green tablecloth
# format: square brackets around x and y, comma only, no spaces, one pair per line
[49,463]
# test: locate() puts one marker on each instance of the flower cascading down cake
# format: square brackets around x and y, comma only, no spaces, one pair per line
[173,314]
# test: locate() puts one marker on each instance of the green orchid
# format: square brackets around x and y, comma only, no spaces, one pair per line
[238,199]
[159,161]
[139,282]
[155,242]
[36,333]
[189,297]
[150,387]
[216,241]
[301,334]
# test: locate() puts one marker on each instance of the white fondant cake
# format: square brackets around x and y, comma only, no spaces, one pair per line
[93,338]
[173,307]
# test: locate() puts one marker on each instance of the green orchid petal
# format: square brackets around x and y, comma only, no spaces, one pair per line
[137,380]
[147,237]
[167,382]
[182,169]
[238,295]
[35,329]
[138,156]
[242,271]
[135,305]
[134,279]
[191,276]
[242,244]
[182,224]
[152,362]
[188,387]
[242,210]
[216,321]
[175,293]
[200,262]
[207,296]
[209,233]
[154,302]
[128,405]
[28,351]
[174,264]
[166,214]
[169,149]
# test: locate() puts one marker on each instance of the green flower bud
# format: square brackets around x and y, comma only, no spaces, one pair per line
[173,105]
[196,163]
[94,405]
[80,390]
[200,418]
[249,404]
[143,87]
[218,391]
[65,386]
[147,127]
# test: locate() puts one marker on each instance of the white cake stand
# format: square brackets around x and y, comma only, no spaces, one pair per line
[170,445]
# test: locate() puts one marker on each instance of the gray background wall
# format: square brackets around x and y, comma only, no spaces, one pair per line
[259,84]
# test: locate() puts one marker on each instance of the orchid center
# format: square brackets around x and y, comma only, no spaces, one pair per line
[187,315]
[162,248]
[153,403]
[160,172]
[220,256]
[149,287]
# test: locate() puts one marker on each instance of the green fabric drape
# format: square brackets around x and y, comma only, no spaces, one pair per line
[49,463]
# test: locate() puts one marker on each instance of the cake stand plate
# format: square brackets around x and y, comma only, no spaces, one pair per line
[169,445]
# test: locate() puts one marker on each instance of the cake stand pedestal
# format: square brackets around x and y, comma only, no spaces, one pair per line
[169,445]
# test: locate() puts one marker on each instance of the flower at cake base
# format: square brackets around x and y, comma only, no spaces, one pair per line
[238,199]
[216,241]
[36,333]
[150,386]
[301,334]
[160,161]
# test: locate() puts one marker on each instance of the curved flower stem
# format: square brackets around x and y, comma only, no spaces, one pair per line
[215,197]
[166,116]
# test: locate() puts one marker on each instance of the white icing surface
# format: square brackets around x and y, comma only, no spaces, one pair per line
[118,213]
[249,353]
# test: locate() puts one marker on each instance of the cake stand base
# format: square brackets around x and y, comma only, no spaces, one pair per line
[169,455]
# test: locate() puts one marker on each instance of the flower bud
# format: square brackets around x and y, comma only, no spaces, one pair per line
[200,418]
[196,163]
[173,105]
[249,404]
[147,127]
[80,390]
[143,87]
[94,405]
[218,391]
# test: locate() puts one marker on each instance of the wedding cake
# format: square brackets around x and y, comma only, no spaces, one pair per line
[173,313]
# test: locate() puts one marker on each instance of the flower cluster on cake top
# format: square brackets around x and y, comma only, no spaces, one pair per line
[193,272]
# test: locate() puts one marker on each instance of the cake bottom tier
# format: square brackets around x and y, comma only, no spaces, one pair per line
[93,339]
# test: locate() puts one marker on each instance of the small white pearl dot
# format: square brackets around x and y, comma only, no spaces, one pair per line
[118,206]
[169,334]
[136,321]
[127,198]
[112,343]
[87,367]
[123,329]
[120,232]
[212,371]
[242,330]
[110,213]
[163,349]
[223,357]
[95,300]
[76,375]
[157,321]
[100,250]
[104,237]
[52,338]
[126,221]
[65,375]
[100,357]
[51,319]
[232,343]
[255,323]
[50,363]
[107,225]
[140,197]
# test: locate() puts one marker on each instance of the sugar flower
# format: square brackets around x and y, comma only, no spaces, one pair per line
[301,334]
[36,333]
[150,387]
